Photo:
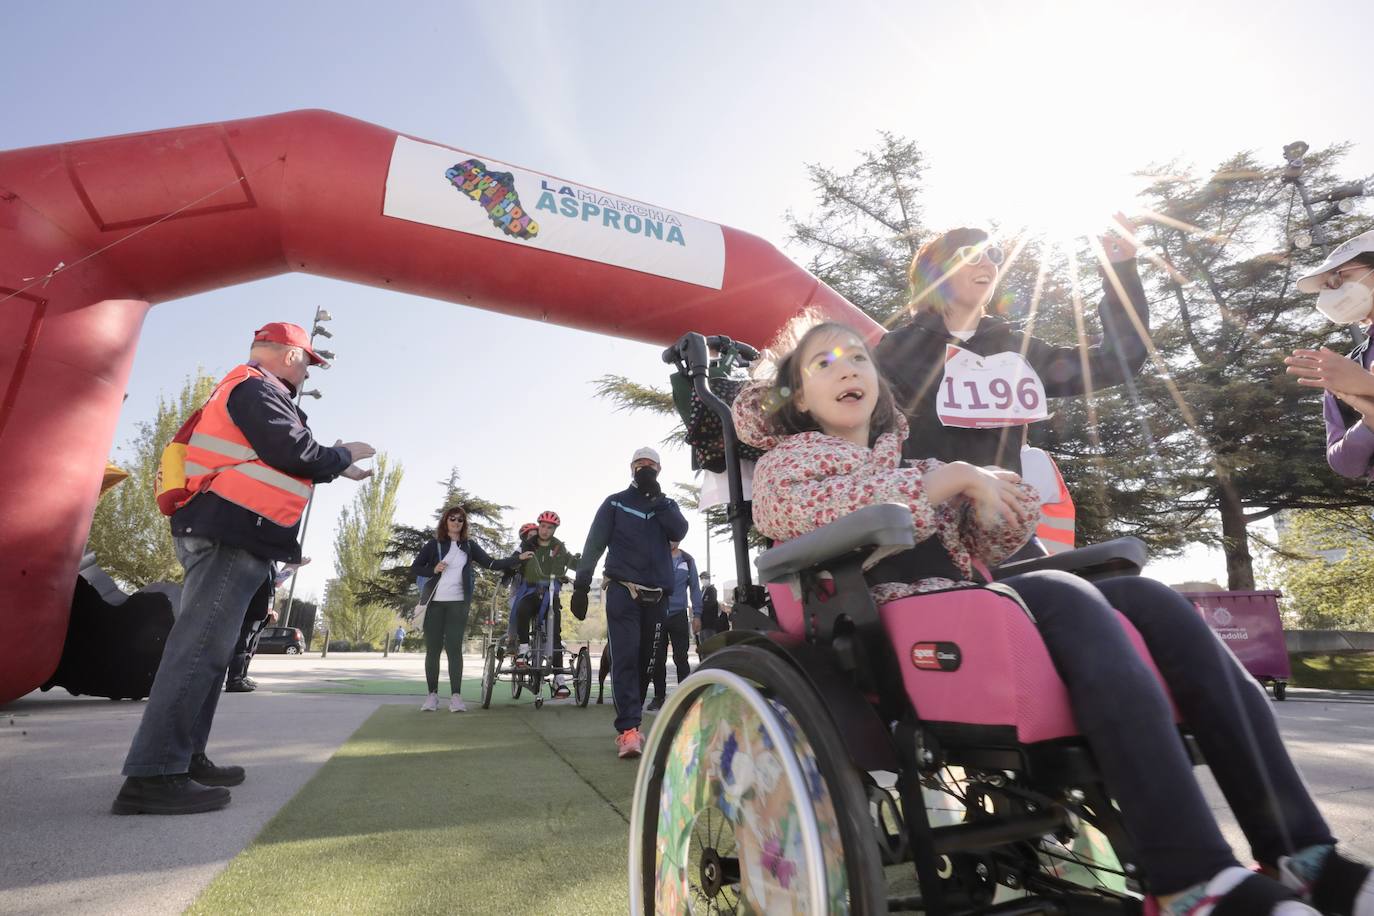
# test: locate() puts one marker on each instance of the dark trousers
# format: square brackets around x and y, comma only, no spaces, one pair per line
[248,633]
[525,612]
[634,631]
[679,634]
[445,623]
[1127,720]
[220,581]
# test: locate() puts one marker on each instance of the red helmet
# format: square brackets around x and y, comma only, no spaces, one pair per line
[527,529]
[551,518]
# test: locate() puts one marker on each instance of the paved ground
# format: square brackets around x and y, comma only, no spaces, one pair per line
[62,852]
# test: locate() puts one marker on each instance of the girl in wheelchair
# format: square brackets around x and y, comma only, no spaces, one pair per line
[834,445]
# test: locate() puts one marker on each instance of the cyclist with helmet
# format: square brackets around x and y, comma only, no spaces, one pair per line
[542,574]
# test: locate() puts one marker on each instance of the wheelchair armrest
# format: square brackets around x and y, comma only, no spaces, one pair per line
[886,526]
[1117,557]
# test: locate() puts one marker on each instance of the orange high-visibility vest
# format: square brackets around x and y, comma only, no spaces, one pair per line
[1056,526]
[219,460]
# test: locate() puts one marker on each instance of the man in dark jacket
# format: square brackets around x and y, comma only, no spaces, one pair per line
[633,528]
[711,621]
[227,545]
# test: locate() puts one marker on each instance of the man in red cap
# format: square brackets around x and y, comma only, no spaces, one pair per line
[251,465]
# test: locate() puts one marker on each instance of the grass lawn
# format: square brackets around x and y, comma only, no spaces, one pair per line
[497,811]
[1354,671]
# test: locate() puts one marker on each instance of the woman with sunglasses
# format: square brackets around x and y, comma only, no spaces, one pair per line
[446,564]
[1344,284]
[969,382]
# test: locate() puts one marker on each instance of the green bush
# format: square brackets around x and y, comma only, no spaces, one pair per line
[365,646]
[1333,671]
[340,645]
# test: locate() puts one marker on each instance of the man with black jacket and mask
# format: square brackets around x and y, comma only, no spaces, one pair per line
[633,528]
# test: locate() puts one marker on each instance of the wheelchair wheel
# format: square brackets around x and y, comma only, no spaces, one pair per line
[582,677]
[488,677]
[747,802]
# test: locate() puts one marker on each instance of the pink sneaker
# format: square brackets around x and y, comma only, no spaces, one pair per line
[456,704]
[629,744]
[431,703]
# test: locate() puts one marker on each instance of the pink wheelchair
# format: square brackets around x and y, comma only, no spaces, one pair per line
[842,757]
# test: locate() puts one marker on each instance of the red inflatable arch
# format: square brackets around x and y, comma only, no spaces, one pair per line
[94,232]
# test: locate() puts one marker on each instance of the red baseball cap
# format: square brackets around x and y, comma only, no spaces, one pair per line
[292,335]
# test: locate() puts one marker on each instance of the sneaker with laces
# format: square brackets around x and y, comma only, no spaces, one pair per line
[456,704]
[431,703]
[629,744]
[1329,881]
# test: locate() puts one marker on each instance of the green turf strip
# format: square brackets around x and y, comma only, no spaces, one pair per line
[497,811]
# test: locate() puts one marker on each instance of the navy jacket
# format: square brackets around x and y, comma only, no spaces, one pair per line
[634,533]
[685,585]
[912,359]
[429,556]
[276,428]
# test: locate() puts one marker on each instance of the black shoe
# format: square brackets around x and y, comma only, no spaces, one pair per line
[243,686]
[655,704]
[251,684]
[207,774]
[167,795]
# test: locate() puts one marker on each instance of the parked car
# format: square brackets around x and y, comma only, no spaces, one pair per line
[281,639]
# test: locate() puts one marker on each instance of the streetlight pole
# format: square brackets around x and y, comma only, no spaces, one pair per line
[317,329]
[1339,200]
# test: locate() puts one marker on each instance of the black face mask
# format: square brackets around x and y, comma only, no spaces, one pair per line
[645,476]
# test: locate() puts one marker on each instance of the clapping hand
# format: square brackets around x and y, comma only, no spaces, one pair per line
[353,472]
[1325,368]
[1363,404]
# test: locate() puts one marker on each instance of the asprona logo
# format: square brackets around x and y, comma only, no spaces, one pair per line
[611,212]
[495,191]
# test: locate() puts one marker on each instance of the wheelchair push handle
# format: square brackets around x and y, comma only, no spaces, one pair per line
[692,351]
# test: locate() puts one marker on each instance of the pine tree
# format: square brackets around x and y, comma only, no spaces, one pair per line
[131,539]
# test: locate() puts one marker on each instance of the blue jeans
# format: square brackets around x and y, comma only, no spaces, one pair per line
[220,581]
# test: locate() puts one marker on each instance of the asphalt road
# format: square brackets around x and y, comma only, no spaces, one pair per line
[61,851]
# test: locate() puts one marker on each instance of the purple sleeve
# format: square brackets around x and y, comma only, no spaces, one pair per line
[1348,451]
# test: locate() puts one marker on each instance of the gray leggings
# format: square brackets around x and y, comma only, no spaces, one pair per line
[445,623]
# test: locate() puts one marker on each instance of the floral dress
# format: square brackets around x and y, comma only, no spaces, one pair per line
[806,480]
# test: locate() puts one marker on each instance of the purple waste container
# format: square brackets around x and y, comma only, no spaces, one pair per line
[1248,622]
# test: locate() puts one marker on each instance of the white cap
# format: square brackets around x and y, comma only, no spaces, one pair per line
[646,452]
[1346,251]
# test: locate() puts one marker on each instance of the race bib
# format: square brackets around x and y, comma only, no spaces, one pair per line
[983,391]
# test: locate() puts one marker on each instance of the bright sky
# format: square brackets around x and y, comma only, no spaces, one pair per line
[1027,112]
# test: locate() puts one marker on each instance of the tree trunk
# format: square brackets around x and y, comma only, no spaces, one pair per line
[1235,540]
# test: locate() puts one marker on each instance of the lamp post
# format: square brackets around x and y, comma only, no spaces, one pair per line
[1339,201]
[317,330]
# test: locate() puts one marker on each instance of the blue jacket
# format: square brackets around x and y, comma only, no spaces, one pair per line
[263,411]
[634,533]
[429,556]
[685,581]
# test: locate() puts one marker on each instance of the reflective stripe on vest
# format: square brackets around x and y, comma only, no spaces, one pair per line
[220,460]
[1056,526]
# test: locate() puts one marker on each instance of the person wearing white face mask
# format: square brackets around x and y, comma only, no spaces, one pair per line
[1344,284]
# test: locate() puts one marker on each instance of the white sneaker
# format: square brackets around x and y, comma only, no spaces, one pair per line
[524,648]
[431,703]
[456,704]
